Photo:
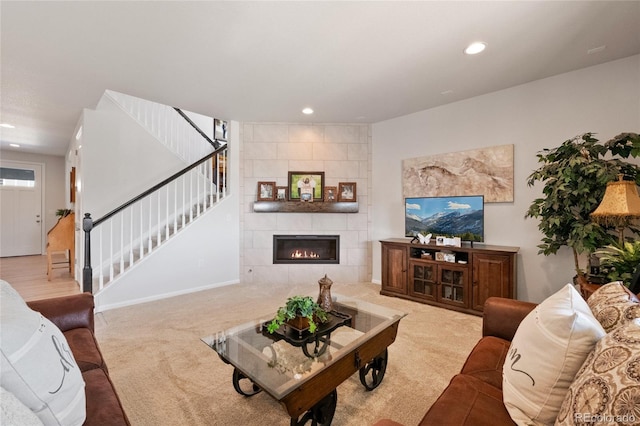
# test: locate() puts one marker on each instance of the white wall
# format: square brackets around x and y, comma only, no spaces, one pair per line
[604,99]
[120,159]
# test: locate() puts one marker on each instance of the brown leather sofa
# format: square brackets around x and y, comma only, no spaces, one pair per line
[73,315]
[474,396]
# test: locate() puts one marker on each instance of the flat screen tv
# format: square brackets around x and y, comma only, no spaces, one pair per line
[461,216]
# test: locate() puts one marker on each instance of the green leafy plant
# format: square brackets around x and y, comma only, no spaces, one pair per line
[303,306]
[63,212]
[620,262]
[575,177]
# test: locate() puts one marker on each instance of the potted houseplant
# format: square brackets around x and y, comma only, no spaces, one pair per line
[619,262]
[575,177]
[299,307]
[63,212]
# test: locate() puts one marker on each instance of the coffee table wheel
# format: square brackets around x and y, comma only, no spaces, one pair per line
[244,388]
[320,414]
[371,375]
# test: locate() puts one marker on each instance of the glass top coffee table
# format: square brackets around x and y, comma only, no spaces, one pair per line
[302,371]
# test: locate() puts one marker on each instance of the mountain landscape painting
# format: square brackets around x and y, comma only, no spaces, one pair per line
[486,171]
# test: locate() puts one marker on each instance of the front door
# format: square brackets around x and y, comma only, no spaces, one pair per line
[21,221]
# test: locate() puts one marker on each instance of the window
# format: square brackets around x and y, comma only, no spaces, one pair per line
[17,177]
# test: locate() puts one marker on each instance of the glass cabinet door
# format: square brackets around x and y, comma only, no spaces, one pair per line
[422,280]
[453,285]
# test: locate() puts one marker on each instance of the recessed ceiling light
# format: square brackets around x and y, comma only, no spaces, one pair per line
[14,145]
[475,48]
[307,111]
[7,126]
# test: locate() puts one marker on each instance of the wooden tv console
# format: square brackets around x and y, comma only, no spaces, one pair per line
[458,278]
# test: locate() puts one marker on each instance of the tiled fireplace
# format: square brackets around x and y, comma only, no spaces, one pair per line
[268,152]
[306,249]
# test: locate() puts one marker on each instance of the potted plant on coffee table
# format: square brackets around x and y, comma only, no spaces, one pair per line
[300,312]
[575,177]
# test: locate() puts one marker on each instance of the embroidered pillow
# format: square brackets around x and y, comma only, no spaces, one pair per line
[607,387]
[37,365]
[614,305]
[547,350]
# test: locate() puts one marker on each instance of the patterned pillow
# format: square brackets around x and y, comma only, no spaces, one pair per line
[606,390]
[614,305]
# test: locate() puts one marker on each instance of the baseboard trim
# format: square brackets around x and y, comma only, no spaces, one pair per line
[105,307]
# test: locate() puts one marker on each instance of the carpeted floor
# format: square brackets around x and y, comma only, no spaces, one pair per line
[165,375]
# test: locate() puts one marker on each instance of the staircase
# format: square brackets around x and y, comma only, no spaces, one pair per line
[124,237]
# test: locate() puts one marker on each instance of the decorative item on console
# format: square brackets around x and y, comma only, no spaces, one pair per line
[424,239]
[446,256]
[445,241]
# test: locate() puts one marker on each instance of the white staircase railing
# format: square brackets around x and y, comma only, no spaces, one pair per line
[166,125]
[137,228]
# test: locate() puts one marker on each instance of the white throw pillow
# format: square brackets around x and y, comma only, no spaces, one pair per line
[37,364]
[547,351]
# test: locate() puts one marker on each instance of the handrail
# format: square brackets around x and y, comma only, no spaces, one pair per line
[214,142]
[157,186]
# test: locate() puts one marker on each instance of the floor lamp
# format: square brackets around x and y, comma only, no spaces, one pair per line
[619,206]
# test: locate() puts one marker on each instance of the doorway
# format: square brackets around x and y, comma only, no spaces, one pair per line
[21,221]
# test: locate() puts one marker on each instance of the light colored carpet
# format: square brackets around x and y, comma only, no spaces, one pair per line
[165,375]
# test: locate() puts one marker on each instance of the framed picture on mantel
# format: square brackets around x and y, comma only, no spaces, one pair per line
[330,194]
[347,192]
[281,193]
[266,191]
[306,186]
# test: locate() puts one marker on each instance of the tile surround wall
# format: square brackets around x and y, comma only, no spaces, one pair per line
[268,152]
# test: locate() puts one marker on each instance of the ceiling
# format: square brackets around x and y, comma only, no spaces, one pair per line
[352,62]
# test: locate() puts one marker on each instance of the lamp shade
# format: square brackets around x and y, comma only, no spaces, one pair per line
[620,204]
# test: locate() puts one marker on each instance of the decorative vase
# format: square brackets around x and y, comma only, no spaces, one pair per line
[324,298]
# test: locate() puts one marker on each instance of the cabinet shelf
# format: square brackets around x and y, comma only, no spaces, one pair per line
[304,207]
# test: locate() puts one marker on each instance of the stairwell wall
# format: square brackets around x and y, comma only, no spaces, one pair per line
[118,159]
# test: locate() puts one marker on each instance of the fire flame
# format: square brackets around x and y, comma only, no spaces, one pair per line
[297,254]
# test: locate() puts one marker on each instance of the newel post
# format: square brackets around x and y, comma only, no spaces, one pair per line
[87,271]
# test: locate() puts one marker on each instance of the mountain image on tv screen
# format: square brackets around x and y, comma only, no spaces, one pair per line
[446,216]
